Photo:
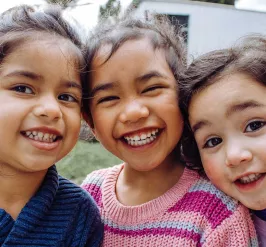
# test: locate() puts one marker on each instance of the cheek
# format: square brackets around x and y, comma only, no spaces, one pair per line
[212,167]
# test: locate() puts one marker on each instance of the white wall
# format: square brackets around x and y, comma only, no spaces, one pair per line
[210,25]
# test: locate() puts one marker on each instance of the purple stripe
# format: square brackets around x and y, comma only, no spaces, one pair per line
[95,192]
[204,203]
[190,235]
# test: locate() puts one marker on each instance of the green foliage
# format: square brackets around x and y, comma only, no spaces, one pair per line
[110,10]
[83,159]
[63,3]
[229,2]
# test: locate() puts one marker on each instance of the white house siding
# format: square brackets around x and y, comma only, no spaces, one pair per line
[210,26]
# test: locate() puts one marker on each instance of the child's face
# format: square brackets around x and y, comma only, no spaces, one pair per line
[135,105]
[40,94]
[229,122]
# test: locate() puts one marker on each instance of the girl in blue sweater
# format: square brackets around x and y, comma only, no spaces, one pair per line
[40,99]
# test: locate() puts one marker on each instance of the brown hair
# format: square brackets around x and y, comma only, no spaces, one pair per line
[19,24]
[247,56]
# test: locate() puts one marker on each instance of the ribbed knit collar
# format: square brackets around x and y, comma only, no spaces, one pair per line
[141,213]
[38,206]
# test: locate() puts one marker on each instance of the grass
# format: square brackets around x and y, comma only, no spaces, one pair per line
[83,159]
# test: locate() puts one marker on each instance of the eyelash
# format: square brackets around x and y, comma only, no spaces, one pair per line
[214,138]
[262,124]
[19,89]
[152,88]
[69,96]
[106,99]
[22,89]
[111,98]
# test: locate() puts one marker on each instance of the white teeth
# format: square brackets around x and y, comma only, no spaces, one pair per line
[139,140]
[143,137]
[136,138]
[40,136]
[250,178]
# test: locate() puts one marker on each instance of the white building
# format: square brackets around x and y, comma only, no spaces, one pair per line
[209,26]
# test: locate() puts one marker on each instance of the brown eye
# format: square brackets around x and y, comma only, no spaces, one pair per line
[213,142]
[22,89]
[253,126]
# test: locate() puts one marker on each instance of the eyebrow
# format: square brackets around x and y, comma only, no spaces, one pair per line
[111,85]
[231,110]
[23,73]
[150,75]
[34,76]
[199,125]
[102,87]
[242,106]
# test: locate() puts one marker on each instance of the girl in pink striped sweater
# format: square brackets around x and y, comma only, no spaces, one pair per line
[225,104]
[151,199]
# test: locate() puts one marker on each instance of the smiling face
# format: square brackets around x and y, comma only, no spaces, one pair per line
[135,105]
[40,93]
[229,122]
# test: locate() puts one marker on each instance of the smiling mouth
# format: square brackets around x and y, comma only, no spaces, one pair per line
[41,136]
[142,138]
[250,178]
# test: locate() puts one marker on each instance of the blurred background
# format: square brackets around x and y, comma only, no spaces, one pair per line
[207,25]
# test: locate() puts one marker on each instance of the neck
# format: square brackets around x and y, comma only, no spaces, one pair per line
[144,186]
[17,187]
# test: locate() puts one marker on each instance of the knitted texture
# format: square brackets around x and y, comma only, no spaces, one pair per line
[192,213]
[59,214]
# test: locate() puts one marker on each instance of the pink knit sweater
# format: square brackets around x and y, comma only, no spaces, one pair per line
[192,213]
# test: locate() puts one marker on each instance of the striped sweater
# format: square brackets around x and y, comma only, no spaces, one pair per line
[192,213]
[59,214]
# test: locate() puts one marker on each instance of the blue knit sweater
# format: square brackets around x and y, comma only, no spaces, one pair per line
[60,214]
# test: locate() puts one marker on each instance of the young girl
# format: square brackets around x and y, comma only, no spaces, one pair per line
[225,104]
[150,200]
[40,99]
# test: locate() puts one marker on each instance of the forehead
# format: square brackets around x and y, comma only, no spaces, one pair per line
[41,41]
[52,59]
[132,58]
[224,93]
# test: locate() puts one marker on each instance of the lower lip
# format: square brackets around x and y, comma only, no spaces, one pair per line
[145,146]
[250,186]
[45,146]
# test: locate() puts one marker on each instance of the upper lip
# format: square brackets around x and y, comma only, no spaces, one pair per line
[45,129]
[138,131]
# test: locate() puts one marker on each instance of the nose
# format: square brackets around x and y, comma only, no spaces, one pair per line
[48,108]
[237,154]
[133,111]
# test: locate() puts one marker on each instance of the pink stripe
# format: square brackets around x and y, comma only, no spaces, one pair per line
[111,239]
[95,192]
[200,201]
[155,232]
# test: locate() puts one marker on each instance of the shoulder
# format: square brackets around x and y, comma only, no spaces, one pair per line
[94,181]
[96,178]
[204,199]
[227,221]
[74,194]
[81,211]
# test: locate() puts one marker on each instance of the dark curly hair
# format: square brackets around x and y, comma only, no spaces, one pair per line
[247,56]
